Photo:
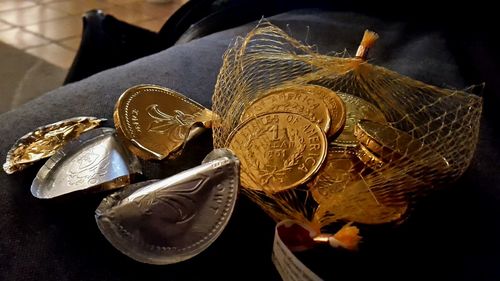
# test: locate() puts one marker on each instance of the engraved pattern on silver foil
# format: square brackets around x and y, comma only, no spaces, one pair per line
[173,219]
[93,162]
[89,167]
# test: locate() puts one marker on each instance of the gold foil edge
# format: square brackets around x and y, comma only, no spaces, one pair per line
[46,140]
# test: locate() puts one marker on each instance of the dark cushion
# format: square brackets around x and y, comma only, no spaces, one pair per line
[452,234]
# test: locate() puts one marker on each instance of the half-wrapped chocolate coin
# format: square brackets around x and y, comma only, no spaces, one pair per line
[95,161]
[156,122]
[44,141]
[173,219]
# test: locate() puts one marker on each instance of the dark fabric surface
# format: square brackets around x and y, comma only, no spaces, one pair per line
[452,235]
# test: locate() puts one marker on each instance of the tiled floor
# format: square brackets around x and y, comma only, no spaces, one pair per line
[51,29]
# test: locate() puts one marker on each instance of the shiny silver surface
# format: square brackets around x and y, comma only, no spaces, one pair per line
[95,161]
[176,218]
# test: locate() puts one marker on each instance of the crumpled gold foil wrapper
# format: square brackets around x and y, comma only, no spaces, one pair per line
[44,141]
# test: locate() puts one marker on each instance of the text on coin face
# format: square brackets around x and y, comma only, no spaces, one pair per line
[135,120]
[278,150]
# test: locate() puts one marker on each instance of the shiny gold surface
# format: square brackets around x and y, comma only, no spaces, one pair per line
[303,100]
[401,150]
[278,151]
[340,168]
[336,108]
[44,141]
[368,158]
[156,122]
[391,144]
[386,141]
[357,203]
[357,109]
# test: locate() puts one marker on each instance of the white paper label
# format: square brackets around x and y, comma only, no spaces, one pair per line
[290,267]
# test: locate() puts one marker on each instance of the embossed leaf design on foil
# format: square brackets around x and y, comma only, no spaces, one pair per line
[179,200]
[164,123]
[174,219]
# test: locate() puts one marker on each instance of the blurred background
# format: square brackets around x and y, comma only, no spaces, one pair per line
[39,39]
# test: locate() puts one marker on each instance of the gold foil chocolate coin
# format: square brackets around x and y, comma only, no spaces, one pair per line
[336,108]
[340,168]
[386,141]
[156,121]
[397,147]
[296,99]
[368,158]
[278,151]
[44,141]
[357,109]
